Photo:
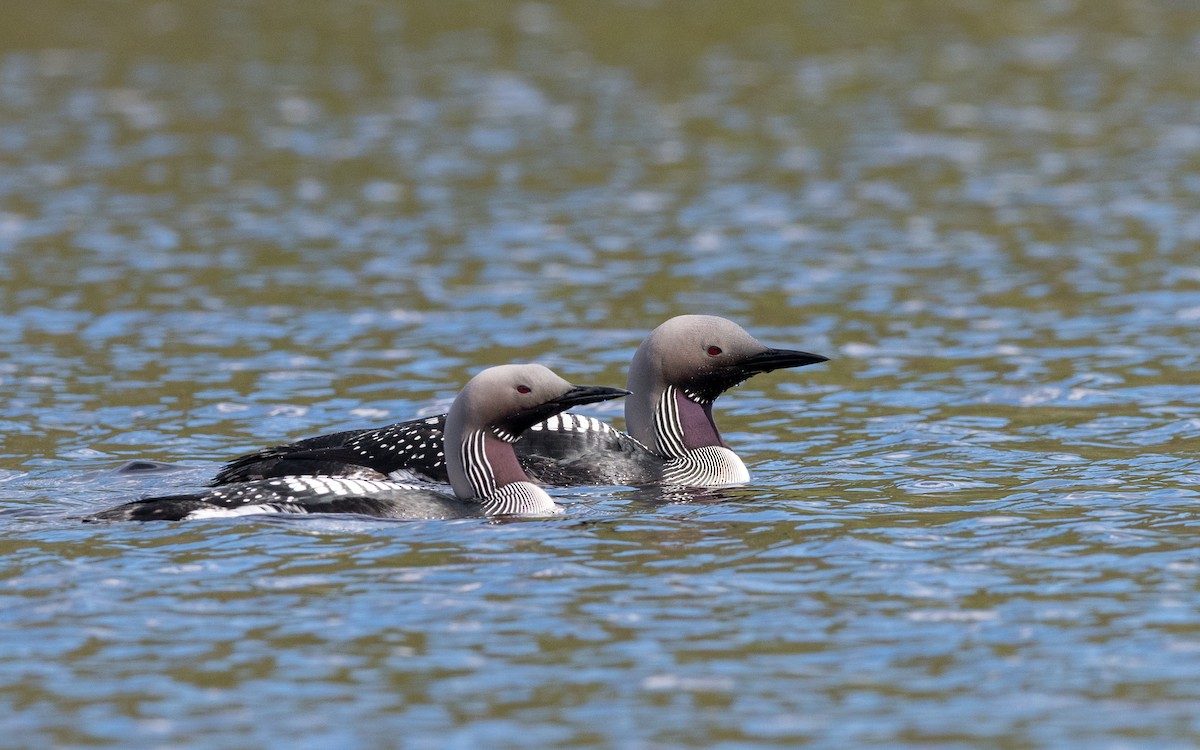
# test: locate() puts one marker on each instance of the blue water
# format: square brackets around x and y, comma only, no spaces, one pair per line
[225,227]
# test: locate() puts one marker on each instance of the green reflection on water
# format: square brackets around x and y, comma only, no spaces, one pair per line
[223,225]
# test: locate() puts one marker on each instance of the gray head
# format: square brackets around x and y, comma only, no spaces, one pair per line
[701,356]
[492,410]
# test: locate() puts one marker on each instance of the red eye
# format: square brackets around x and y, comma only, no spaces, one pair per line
[523,389]
[714,351]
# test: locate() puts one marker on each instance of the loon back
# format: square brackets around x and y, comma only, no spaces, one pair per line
[563,450]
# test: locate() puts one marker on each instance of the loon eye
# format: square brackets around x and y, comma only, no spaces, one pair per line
[714,351]
[523,389]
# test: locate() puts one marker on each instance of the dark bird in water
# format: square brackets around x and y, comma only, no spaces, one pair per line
[485,422]
[675,376]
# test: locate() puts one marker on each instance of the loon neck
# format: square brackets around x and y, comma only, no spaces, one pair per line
[485,470]
[683,432]
[483,465]
[682,425]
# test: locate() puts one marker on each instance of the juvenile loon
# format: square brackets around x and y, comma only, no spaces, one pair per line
[676,374]
[485,421]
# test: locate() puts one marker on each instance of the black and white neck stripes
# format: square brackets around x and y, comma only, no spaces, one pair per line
[476,465]
[668,428]
[705,466]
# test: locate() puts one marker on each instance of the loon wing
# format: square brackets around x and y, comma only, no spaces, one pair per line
[412,449]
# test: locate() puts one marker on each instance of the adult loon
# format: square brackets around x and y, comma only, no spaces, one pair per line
[487,418]
[676,374]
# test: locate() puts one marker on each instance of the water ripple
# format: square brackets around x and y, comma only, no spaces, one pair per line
[974,527]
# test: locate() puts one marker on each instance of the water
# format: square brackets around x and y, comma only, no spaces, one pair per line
[223,226]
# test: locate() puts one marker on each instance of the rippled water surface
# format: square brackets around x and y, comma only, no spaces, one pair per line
[225,225]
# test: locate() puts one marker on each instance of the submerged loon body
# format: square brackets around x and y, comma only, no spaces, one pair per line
[676,375]
[476,441]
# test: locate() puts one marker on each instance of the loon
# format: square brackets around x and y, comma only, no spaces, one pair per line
[486,419]
[676,374]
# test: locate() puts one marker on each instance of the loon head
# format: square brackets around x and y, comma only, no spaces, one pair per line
[491,412]
[694,359]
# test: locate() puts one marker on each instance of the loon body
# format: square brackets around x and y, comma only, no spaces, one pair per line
[676,375]
[475,441]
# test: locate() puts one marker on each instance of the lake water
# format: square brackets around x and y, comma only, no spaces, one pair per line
[226,225]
